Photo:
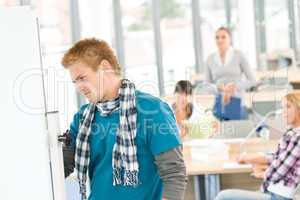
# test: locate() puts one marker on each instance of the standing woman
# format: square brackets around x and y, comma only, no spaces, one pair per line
[228,68]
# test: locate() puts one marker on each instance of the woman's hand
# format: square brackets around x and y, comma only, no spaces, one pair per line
[257,161]
[183,129]
[259,170]
[243,158]
[228,91]
[253,158]
[226,98]
[215,125]
[230,88]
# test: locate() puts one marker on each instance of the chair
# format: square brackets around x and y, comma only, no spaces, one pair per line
[234,129]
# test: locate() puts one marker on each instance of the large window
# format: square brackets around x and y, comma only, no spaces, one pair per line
[275,31]
[277,25]
[55,33]
[9,2]
[241,22]
[56,38]
[233,20]
[96,19]
[297,32]
[149,54]
[140,61]
[213,16]
[177,41]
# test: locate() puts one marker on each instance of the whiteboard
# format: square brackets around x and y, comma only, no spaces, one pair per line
[24,166]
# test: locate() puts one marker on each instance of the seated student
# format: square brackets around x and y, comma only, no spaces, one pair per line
[185,109]
[282,174]
[182,106]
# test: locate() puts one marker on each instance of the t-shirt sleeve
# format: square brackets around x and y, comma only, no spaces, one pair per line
[162,133]
[74,127]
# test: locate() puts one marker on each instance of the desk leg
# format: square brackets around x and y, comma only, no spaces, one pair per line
[212,186]
[199,187]
[206,186]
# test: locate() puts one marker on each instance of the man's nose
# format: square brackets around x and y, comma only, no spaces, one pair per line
[80,86]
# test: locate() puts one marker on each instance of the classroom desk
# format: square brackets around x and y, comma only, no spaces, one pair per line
[207,101]
[206,174]
[292,74]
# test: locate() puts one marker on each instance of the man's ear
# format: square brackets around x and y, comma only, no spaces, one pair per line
[105,65]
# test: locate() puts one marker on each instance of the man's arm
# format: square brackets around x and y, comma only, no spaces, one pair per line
[68,154]
[172,171]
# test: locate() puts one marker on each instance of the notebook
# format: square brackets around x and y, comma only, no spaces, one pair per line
[234,110]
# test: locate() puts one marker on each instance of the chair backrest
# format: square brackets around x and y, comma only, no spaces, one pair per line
[235,129]
[264,107]
[297,193]
[277,127]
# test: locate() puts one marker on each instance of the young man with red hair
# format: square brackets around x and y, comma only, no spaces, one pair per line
[125,141]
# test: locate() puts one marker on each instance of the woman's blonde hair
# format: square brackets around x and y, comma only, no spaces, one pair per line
[294,98]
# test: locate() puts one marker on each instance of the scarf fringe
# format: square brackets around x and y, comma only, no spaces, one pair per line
[82,190]
[117,176]
[131,178]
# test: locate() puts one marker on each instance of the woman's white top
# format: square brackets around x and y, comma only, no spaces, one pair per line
[235,69]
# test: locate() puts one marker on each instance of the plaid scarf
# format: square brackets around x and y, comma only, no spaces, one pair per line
[124,157]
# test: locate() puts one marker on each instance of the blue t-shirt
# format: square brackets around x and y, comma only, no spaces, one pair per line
[156,133]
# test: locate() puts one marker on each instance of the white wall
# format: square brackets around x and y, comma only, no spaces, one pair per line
[24,169]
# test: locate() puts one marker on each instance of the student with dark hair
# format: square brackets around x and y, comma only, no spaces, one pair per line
[184,86]
[183,92]
[188,111]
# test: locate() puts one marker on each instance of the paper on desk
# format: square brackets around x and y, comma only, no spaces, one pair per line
[236,165]
[198,142]
[204,142]
[233,140]
[208,142]
[208,150]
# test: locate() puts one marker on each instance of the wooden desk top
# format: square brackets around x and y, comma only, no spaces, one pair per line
[215,165]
